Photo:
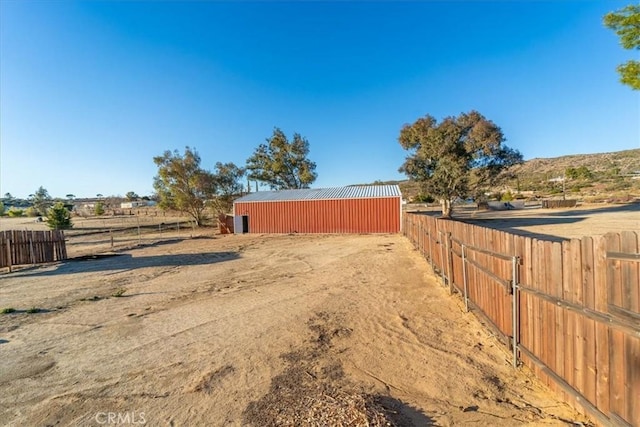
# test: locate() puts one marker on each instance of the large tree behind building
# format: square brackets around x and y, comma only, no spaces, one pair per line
[626,23]
[456,158]
[282,164]
[181,183]
[229,185]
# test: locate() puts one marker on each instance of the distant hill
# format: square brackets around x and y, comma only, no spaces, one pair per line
[614,173]
[623,162]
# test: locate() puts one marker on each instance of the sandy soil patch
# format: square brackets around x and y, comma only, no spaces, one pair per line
[555,224]
[261,330]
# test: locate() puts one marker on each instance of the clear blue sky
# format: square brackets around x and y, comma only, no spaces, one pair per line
[91,91]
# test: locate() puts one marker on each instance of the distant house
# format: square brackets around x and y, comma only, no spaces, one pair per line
[133,204]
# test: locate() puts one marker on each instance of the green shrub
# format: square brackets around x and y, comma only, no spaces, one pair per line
[99,209]
[31,212]
[58,217]
[8,310]
[15,212]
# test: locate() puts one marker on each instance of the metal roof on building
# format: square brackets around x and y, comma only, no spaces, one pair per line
[351,192]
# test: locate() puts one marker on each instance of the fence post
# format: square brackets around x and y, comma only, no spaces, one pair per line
[430,248]
[32,252]
[514,310]
[450,262]
[9,254]
[441,257]
[464,280]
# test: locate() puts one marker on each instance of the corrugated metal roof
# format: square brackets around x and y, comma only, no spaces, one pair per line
[352,192]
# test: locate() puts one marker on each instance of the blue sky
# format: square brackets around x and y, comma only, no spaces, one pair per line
[91,91]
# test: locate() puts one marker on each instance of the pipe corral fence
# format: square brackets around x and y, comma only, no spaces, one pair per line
[569,311]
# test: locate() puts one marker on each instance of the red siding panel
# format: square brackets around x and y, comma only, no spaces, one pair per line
[376,215]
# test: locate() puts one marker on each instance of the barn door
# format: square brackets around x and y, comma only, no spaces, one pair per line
[241,224]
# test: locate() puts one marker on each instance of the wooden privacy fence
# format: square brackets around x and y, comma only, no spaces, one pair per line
[554,204]
[570,311]
[31,247]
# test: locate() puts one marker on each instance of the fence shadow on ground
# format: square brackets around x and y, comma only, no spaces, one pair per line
[627,207]
[511,225]
[126,262]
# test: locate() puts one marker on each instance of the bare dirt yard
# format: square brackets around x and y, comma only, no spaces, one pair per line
[555,224]
[292,330]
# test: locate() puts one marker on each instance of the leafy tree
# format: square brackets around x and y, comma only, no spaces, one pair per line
[2,209]
[228,180]
[58,217]
[282,164]
[458,157]
[41,201]
[626,23]
[182,184]
[98,209]
[131,196]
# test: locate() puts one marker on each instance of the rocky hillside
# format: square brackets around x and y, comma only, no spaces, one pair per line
[617,163]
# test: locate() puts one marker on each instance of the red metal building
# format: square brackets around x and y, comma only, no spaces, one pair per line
[356,209]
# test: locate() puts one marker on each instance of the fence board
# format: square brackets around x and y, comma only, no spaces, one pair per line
[602,330]
[616,348]
[632,383]
[589,359]
[578,298]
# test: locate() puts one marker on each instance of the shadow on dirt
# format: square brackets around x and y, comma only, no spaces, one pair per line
[402,414]
[511,225]
[123,262]
[151,244]
[628,207]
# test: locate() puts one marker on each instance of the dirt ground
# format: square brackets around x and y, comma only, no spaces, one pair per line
[555,224]
[254,330]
